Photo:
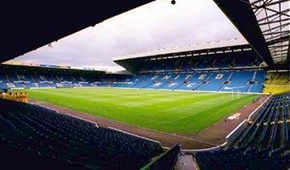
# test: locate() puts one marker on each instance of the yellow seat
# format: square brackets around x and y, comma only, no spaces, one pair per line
[278,82]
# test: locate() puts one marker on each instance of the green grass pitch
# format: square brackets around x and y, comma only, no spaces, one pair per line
[167,111]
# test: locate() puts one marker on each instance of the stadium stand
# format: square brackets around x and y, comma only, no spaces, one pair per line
[36,133]
[233,73]
[20,97]
[184,63]
[242,81]
[277,82]
[238,80]
[263,144]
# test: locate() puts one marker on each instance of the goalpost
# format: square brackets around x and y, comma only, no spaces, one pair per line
[238,93]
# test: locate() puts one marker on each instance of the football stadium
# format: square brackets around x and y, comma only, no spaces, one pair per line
[221,104]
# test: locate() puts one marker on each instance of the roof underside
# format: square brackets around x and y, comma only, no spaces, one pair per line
[194,48]
[26,26]
[264,23]
[273,19]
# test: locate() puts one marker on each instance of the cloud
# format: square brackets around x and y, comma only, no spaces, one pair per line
[153,26]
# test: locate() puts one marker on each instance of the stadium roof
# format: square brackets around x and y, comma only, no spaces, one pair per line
[187,48]
[274,20]
[27,25]
[265,24]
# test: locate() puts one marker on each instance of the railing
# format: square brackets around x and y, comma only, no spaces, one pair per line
[166,161]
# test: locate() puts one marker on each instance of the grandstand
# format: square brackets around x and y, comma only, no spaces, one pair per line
[233,69]
[230,99]
[277,82]
[236,70]
[69,141]
[264,143]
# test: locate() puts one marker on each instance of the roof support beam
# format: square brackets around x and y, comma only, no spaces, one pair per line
[280,33]
[275,21]
[245,21]
[268,4]
[277,27]
[276,14]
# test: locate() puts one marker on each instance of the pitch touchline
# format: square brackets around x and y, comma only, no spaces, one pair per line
[170,134]
[197,140]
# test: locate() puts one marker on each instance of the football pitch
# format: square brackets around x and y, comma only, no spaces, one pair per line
[167,111]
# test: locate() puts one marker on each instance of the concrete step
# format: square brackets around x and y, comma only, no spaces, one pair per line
[186,162]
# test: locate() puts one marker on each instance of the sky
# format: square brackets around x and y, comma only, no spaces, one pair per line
[153,26]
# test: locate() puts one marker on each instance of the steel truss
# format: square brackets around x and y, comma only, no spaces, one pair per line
[273,18]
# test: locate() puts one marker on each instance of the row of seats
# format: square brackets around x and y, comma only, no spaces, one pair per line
[190,63]
[278,78]
[271,127]
[53,137]
[242,81]
[242,158]
[276,89]
[226,80]
[277,82]
[264,143]
[38,80]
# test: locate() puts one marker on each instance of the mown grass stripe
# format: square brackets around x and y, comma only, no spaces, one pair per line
[167,111]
